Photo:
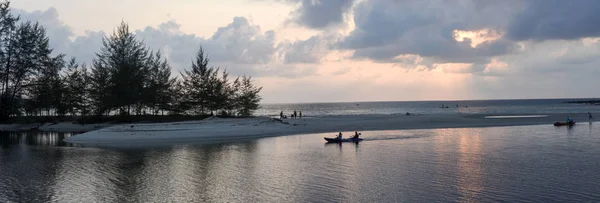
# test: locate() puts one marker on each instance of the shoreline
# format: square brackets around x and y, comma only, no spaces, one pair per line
[217,130]
[60,127]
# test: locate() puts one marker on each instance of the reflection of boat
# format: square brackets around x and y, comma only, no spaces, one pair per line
[337,140]
[564,123]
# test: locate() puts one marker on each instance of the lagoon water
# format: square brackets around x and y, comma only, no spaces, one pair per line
[515,164]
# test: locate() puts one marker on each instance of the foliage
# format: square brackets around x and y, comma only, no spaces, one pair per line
[125,78]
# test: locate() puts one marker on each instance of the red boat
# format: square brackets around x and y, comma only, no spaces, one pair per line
[564,123]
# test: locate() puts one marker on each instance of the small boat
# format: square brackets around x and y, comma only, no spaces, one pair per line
[337,140]
[564,123]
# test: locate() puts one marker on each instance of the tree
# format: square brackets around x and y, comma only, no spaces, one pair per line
[99,89]
[164,83]
[124,76]
[125,58]
[224,94]
[178,103]
[158,84]
[76,88]
[196,83]
[247,97]
[7,48]
[25,56]
[46,88]
[58,88]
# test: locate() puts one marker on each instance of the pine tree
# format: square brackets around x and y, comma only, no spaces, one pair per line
[248,98]
[32,68]
[125,57]
[158,83]
[196,84]
[226,95]
[164,82]
[76,88]
[99,89]
[178,103]
[8,29]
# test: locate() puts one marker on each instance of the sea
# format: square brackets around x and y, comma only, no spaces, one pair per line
[538,163]
[516,106]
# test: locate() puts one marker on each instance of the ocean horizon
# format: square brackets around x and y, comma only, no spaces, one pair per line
[494,106]
[432,100]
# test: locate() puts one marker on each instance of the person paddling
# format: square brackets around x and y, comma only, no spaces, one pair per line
[356,134]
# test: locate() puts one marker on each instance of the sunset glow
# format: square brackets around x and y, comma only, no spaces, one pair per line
[378,49]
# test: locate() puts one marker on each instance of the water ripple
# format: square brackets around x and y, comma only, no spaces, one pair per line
[514,164]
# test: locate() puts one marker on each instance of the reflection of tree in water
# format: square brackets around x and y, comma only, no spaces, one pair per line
[49,139]
[226,172]
[28,174]
[189,173]
[128,171]
[182,173]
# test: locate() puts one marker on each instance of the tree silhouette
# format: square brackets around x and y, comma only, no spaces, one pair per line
[124,78]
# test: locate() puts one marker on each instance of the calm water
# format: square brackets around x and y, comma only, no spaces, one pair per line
[534,106]
[515,164]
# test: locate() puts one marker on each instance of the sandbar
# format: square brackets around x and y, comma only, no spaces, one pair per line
[214,130]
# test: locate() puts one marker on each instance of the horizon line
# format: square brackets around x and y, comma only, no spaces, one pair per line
[441,100]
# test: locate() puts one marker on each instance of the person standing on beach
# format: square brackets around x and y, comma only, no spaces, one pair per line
[590,116]
[300,114]
[295,114]
[281,115]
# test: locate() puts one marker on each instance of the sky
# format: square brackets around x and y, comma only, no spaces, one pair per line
[355,50]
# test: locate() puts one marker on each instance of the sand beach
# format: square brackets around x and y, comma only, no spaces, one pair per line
[214,130]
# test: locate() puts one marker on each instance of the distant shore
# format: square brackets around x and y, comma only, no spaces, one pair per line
[214,130]
[592,102]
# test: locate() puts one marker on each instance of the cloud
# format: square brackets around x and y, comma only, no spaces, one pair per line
[59,33]
[240,46]
[555,20]
[320,14]
[311,50]
[548,69]
[239,42]
[387,29]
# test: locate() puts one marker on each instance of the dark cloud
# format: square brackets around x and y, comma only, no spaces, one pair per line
[556,19]
[386,29]
[319,14]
